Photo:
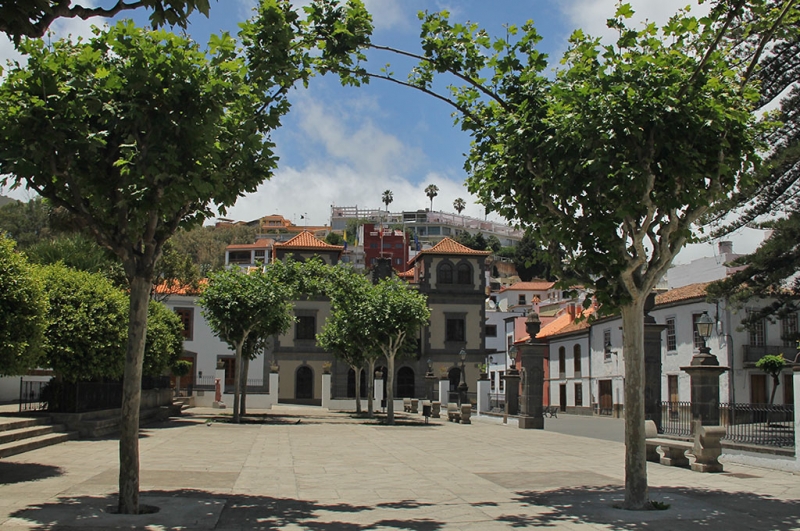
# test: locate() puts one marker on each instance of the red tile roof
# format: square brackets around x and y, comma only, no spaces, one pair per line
[534,285]
[692,291]
[262,243]
[174,288]
[450,246]
[307,240]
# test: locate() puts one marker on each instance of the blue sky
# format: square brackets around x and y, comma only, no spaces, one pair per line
[345,146]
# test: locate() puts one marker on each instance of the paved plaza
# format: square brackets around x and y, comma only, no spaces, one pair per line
[306,468]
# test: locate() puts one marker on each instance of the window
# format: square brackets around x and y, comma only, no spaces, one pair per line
[758,337]
[490,330]
[445,274]
[464,274]
[491,380]
[672,339]
[562,361]
[500,379]
[306,327]
[238,257]
[576,359]
[186,315]
[578,394]
[698,341]
[455,329]
[789,330]
[607,344]
[522,300]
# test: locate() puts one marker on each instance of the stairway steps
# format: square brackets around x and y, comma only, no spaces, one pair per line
[35,442]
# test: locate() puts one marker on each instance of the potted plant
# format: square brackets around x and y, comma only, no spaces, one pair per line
[443,373]
[274,367]
[326,367]
[482,369]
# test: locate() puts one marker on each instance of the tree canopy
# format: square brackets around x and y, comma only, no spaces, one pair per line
[32,18]
[611,162]
[137,133]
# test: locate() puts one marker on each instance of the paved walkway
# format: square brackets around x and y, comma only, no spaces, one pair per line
[306,468]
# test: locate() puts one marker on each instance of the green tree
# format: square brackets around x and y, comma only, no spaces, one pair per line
[241,306]
[164,345]
[342,334]
[611,162]
[206,245]
[175,268]
[772,365]
[393,313]
[23,312]
[87,323]
[334,238]
[92,127]
[26,223]
[78,252]
[431,191]
[32,18]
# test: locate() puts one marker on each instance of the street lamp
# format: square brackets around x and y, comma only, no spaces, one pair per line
[704,326]
[512,353]
[462,387]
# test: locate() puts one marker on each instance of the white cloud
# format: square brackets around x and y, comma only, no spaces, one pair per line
[386,15]
[591,15]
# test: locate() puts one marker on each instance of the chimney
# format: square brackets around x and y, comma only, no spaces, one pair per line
[725,247]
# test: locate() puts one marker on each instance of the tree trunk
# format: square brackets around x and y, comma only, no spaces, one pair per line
[132,397]
[358,370]
[371,388]
[636,494]
[390,388]
[243,384]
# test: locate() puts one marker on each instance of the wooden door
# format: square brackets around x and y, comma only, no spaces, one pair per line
[606,400]
[758,389]
[562,397]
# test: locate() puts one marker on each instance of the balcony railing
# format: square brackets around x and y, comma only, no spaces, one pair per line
[751,354]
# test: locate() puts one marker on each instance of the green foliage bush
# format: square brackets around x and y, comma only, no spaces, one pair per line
[87,327]
[23,311]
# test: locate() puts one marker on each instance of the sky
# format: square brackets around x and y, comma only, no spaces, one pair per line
[344,146]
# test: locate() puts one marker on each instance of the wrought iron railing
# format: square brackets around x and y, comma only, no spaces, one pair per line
[30,395]
[77,397]
[497,401]
[757,424]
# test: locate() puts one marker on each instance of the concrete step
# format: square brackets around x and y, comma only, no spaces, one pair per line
[14,423]
[33,443]
[27,432]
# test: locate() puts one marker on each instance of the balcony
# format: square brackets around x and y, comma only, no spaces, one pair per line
[751,354]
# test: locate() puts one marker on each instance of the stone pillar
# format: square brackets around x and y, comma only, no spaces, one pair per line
[533,353]
[274,387]
[444,391]
[326,390]
[705,372]
[378,391]
[652,365]
[484,388]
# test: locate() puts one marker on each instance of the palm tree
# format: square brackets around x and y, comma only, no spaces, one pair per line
[431,191]
[386,198]
[459,204]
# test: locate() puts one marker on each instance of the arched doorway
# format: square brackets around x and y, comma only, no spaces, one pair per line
[304,383]
[405,382]
[351,384]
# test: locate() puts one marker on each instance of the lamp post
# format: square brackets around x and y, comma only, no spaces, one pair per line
[462,387]
[704,371]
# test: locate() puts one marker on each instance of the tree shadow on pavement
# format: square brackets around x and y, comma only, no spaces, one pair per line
[690,509]
[240,511]
[11,472]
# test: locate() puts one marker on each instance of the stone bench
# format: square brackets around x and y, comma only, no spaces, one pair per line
[453,414]
[414,405]
[466,413]
[706,448]
[435,408]
[407,405]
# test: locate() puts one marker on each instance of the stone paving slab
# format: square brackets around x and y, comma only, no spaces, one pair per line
[335,472]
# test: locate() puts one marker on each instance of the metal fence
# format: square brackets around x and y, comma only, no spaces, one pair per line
[77,397]
[758,424]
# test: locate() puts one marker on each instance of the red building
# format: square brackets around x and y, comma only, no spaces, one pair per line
[393,245]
